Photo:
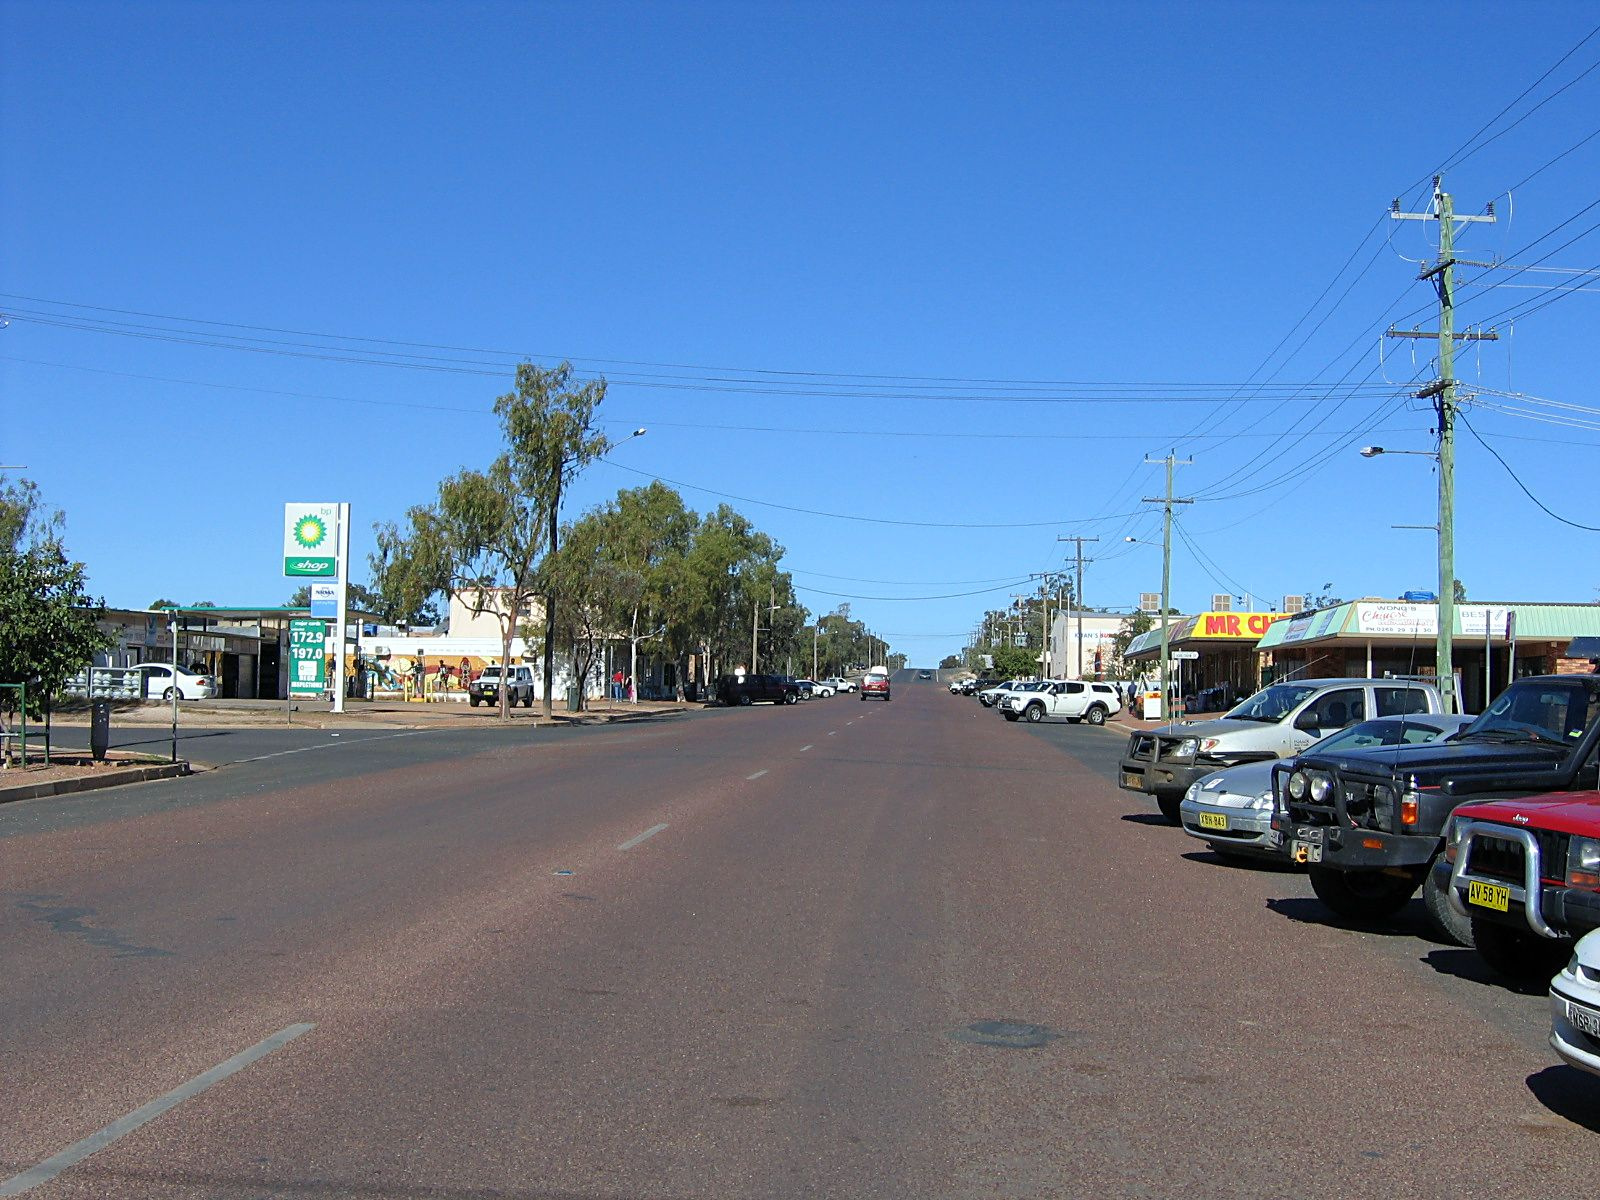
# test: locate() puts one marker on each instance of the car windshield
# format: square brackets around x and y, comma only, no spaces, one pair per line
[1377,733]
[1555,711]
[1272,704]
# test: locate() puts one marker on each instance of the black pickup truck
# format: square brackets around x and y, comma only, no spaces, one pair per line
[1369,824]
[747,689]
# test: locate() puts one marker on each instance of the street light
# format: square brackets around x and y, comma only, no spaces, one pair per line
[1443,647]
[1374,451]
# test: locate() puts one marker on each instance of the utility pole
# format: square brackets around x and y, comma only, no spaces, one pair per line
[1077,597]
[1443,392]
[1166,562]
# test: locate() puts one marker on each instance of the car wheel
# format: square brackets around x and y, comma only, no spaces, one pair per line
[1010,716]
[1362,895]
[1518,953]
[791,697]
[1169,806]
[472,700]
[1035,713]
[527,701]
[1444,919]
[1096,714]
[167,695]
[744,700]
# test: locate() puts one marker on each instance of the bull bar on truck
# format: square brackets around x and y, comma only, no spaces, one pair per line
[1529,893]
[1334,822]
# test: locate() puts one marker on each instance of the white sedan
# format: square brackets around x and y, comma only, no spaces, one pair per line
[1575,1007]
[158,683]
[821,687]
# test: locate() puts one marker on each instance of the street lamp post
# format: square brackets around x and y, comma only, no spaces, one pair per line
[1443,645]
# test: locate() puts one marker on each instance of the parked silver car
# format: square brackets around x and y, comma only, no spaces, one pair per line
[1232,809]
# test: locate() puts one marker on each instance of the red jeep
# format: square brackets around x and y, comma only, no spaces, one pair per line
[1527,873]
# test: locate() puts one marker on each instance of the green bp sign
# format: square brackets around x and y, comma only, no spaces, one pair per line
[308,673]
[310,540]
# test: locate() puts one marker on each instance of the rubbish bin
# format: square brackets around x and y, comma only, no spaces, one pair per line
[572,698]
[99,728]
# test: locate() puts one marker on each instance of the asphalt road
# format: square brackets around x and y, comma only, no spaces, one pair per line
[752,954]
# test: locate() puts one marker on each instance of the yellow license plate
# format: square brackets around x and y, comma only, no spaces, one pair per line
[1489,895]
[1213,821]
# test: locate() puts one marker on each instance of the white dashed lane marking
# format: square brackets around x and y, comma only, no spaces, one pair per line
[637,838]
[758,774]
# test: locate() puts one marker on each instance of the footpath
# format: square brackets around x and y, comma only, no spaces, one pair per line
[364,714]
[75,771]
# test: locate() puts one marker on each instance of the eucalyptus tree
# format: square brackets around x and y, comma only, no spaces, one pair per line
[489,532]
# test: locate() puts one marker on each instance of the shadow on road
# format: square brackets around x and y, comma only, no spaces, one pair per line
[1147,819]
[1568,1093]
[1241,862]
[1466,964]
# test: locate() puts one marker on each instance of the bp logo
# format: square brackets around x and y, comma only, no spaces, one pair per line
[310,532]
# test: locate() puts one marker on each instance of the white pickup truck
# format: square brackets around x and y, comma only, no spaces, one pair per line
[1063,700]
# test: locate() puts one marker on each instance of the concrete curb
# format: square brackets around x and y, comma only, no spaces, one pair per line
[89,783]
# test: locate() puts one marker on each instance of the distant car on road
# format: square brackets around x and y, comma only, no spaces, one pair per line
[991,693]
[518,680]
[875,685]
[840,684]
[191,686]
[819,687]
[747,689]
[1072,700]
[924,674]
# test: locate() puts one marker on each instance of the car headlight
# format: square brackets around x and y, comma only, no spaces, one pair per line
[1209,744]
[1321,787]
[1583,863]
[1298,785]
[1186,748]
[1262,802]
[1193,792]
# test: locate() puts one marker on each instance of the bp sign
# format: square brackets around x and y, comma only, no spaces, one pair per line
[310,540]
[308,673]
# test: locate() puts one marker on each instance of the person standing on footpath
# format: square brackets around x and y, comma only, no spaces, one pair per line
[616,684]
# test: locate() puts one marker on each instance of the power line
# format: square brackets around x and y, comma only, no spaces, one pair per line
[811,512]
[1516,480]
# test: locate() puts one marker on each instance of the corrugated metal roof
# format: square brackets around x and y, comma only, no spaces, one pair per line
[1534,622]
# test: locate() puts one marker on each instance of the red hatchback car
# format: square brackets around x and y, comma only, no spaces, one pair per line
[875,685]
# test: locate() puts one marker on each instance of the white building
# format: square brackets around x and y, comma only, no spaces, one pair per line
[1099,629]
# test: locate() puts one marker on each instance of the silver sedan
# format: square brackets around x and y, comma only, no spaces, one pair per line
[1232,809]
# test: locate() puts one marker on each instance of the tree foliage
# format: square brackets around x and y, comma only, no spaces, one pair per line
[1016,662]
[488,532]
[25,522]
[949,661]
[49,624]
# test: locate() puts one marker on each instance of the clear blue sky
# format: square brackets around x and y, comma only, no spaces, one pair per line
[1116,212]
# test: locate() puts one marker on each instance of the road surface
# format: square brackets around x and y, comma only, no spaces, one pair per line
[836,949]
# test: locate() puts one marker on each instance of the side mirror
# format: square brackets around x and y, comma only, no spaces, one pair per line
[1307,722]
